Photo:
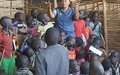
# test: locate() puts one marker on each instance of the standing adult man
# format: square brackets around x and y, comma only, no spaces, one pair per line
[64,17]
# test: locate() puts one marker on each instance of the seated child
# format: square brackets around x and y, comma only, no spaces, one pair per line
[22,63]
[114,57]
[84,68]
[107,66]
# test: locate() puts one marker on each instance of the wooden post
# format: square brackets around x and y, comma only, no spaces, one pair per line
[105,23]
[11,8]
[26,7]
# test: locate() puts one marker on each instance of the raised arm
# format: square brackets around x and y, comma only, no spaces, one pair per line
[55,4]
[50,12]
[76,17]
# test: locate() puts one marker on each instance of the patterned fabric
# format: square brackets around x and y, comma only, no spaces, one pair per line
[23,71]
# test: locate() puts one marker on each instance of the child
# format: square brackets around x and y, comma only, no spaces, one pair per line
[84,68]
[54,59]
[73,68]
[31,56]
[45,24]
[64,17]
[96,68]
[6,50]
[34,14]
[80,25]
[96,25]
[37,45]
[88,29]
[18,21]
[32,29]
[107,66]
[22,63]
[115,63]
[62,38]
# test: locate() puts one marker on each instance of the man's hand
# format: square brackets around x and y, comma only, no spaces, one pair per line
[49,4]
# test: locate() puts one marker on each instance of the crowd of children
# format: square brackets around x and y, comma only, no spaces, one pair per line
[73,45]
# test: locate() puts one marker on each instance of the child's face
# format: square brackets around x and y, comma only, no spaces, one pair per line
[65,3]
[114,58]
[22,17]
[63,36]
[87,21]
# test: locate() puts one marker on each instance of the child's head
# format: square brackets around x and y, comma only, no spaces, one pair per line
[34,13]
[87,21]
[2,72]
[84,68]
[29,21]
[37,44]
[29,41]
[19,16]
[73,66]
[52,36]
[97,43]
[28,52]
[91,39]
[96,68]
[65,3]
[22,61]
[6,22]
[106,64]
[82,14]
[43,18]
[62,37]
[78,42]
[70,41]
[94,57]
[114,57]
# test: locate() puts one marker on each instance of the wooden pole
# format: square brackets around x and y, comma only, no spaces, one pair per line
[4,6]
[26,7]
[11,7]
[105,23]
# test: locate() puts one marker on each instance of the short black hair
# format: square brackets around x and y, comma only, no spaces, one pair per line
[22,61]
[78,42]
[84,68]
[28,52]
[106,64]
[43,18]
[18,14]
[4,21]
[34,13]
[52,36]
[37,44]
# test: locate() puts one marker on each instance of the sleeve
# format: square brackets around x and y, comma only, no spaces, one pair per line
[40,65]
[55,11]
[91,32]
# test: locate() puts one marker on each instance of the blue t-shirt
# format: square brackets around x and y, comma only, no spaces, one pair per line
[64,21]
